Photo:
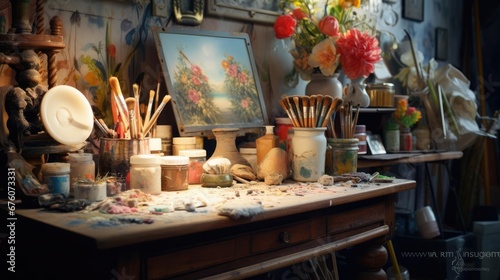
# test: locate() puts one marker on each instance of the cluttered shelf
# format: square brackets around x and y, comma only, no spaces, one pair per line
[367,161]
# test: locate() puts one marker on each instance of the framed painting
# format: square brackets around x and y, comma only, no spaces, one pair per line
[375,144]
[413,10]
[254,11]
[212,80]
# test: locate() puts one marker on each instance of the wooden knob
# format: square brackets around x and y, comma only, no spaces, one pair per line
[285,237]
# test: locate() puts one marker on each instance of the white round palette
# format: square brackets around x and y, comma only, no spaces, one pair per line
[66,115]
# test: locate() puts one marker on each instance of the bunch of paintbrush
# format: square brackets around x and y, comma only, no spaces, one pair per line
[126,111]
[310,111]
[348,120]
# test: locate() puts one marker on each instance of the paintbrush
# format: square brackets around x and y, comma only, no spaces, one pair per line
[327,101]
[138,118]
[285,107]
[334,105]
[305,110]
[130,101]
[150,106]
[115,87]
[298,110]
[318,106]
[292,111]
[122,113]
[152,121]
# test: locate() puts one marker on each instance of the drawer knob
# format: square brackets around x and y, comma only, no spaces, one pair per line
[285,237]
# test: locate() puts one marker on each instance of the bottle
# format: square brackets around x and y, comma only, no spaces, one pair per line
[145,173]
[197,157]
[405,139]
[265,143]
[360,133]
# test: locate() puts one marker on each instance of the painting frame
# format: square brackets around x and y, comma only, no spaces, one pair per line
[441,44]
[242,11]
[375,144]
[212,79]
[413,10]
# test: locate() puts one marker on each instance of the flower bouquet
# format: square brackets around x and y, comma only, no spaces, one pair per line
[404,115]
[329,41]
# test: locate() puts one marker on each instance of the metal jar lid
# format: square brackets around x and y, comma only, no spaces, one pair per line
[380,86]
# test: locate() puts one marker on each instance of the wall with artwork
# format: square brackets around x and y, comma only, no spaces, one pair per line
[115,38]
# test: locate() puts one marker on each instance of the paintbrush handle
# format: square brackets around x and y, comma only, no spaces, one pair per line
[155,116]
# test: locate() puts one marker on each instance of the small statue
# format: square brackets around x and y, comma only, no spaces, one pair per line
[22,102]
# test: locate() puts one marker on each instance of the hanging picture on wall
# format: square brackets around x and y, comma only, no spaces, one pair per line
[413,10]
[254,11]
[212,79]
[441,44]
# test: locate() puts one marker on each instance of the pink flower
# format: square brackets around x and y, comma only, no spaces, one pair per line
[242,77]
[232,70]
[299,14]
[284,26]
[196,70]
[329,26]
[410,110]
[324,55]
[359,52]
[245,103]
[196,80]
[194,96]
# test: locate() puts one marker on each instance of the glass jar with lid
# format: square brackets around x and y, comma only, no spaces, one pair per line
[197,157]
[145,173]
[174,173]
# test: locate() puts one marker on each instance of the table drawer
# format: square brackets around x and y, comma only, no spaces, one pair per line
[287,235]
[366,217]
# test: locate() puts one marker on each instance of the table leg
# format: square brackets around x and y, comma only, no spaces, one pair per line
[367,261]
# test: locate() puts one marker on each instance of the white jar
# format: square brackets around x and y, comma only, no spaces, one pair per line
[309,153]
[56,176]
[145,173]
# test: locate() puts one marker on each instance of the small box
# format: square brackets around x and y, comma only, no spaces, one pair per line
[488,248]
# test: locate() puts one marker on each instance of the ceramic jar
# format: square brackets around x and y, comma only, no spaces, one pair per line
[309,153]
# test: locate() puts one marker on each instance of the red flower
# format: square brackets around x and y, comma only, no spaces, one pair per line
[245,103]
[242,77]
[232,70]
[284,26]
[299,14]
[329,26]
[196,80]
[359,52]
[111,50]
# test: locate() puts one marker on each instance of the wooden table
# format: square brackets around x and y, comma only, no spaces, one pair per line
[298,222]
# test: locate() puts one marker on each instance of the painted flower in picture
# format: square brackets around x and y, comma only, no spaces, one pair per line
[330,39]
[193,91]
[240,85]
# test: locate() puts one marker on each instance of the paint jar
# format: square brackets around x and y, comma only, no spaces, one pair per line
[250,154]
[115,153]
[145,173]
[183,143]
[56,176]
[155,146]
[360,134]
[164,132]
[344,155]
[309,152]
[91,191]
[115,185]
[391,137]
[174,173]
[265,143]
[82,166]
[405,139]
[197,157]
[283,126]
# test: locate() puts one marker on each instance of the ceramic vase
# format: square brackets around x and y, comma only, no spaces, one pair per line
[356,93]
[324,85]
